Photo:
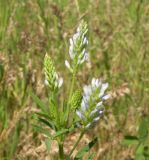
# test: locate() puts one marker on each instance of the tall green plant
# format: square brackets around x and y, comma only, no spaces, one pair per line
[82,109]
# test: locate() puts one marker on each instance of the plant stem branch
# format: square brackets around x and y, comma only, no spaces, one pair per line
[61,151]
[77,142]
[72,85]
[71,91]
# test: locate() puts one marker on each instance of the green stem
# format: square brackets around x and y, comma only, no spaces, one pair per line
[77,142]
[71,90]
[54,98]
[72,86]
[61,151]
[73,82]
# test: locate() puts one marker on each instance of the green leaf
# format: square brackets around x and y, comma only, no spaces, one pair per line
[139,157]
[42,130]
[92,156]
[85,149]
[139,152]
[41,114]
[60,132]
[48,142]
[47,123]
[38,102]
[143,129]
[129,140]
[146,151]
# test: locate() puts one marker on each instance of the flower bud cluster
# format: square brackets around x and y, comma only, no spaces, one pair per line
[92,107]
[52,79]
[77,49]
[76,99]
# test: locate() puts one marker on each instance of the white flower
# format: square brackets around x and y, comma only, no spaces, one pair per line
[60,82]
[88,125]
[92,106]
[106,97]
[103,88]
[87,91]
[85,41]
[71,53]
[67,64]
[77,48]
[84,105]
[96,119]
[99,104]
[46,82]
[80,115]
[83,57]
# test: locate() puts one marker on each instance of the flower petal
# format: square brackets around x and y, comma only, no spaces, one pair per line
[103,88]
[80,115]
[60,82]
[106,97]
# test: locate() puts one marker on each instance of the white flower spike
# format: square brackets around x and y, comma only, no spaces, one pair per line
[77,48]
[92,107]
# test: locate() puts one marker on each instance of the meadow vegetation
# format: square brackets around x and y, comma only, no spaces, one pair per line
[119,54]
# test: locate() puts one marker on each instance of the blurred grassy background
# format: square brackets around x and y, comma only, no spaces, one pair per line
[119,52]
